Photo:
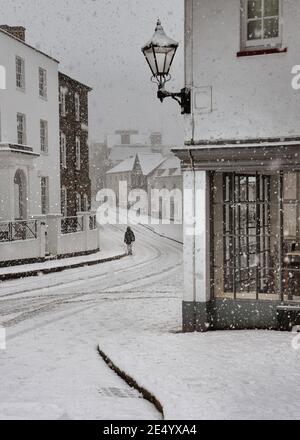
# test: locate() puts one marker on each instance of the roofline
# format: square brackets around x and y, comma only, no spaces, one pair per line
[76,81]
[28,45]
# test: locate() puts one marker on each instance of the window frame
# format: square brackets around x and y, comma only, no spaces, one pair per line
[62,101]
[21,73]
[44,195]
[63,150]
[86,204]
[78,153]
[77,106]
[44,144]
[43,89]
[24,134]
[78,202]
[64,201]
[262,43]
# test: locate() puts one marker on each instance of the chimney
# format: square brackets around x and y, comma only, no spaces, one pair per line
[156,139]
[15,31]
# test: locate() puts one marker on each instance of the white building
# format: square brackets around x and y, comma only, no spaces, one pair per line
[29,132]
[31,223]
[241,164]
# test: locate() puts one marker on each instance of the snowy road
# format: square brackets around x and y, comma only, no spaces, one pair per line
[51,368]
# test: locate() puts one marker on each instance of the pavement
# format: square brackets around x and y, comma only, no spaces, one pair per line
[107,253]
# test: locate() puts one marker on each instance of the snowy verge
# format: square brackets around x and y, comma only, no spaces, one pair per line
[216,375]
[131,382]
[53,266]
[171,232]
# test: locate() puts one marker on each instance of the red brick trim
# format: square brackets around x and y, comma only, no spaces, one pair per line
[249,53]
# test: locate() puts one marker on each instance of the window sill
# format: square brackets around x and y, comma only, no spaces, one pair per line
[254,52]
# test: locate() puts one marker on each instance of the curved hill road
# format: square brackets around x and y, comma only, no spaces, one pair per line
[51,368]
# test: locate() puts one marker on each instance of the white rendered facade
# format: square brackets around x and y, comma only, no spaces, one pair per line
[31,165]
[244,120]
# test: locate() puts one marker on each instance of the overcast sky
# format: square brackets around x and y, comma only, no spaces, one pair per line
[98,42]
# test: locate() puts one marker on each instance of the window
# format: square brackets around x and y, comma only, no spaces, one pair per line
[44,135]
[43,82]
[64,203]
[261,23]
[44,195]
[78,202]
[77,153]
[63,150]
[85,203]
[21,128]
[62,101]
[77,107]
[125,139]
[20,73]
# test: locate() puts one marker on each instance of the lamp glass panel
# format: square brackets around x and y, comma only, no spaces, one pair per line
[160,58]
[151,60]
[169,59]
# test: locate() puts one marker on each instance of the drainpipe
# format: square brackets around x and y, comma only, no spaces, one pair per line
[194,239]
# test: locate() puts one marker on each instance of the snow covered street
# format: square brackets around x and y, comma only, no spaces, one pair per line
[131,308]
[51,368]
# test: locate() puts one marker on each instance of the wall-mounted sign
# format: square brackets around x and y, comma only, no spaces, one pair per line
[202,99]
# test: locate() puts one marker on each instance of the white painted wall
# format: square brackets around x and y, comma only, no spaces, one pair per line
[85,241]
[28,102]
[251,96]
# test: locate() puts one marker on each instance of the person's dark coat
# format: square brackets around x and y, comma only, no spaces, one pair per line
[129,236]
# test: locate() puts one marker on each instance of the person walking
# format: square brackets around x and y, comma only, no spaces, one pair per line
[129,239]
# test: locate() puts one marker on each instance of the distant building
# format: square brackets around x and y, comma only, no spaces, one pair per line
[135,171]
[167,176]
[124,144]
[74,150]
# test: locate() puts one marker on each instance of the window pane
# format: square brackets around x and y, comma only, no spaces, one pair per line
[290,220]
[254,8]
[271,28]
[290,186]
[254,30]
[271,8]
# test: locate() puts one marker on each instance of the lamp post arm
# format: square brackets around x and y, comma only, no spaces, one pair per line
[183,98]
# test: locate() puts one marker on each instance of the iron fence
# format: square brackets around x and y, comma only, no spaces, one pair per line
[71,225]
[18,230]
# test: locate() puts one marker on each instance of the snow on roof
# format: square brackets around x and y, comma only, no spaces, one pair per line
[123,167]
[122,152]
[170,162]
[148,163]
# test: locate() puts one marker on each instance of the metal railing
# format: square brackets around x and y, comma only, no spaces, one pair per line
[93,222]
[71,225]
[18,230]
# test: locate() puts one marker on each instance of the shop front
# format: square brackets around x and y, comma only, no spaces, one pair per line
[246,263]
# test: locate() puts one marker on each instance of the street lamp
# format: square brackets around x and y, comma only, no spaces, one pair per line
[159,53]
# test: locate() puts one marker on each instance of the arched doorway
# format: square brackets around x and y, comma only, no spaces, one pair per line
[20,189]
